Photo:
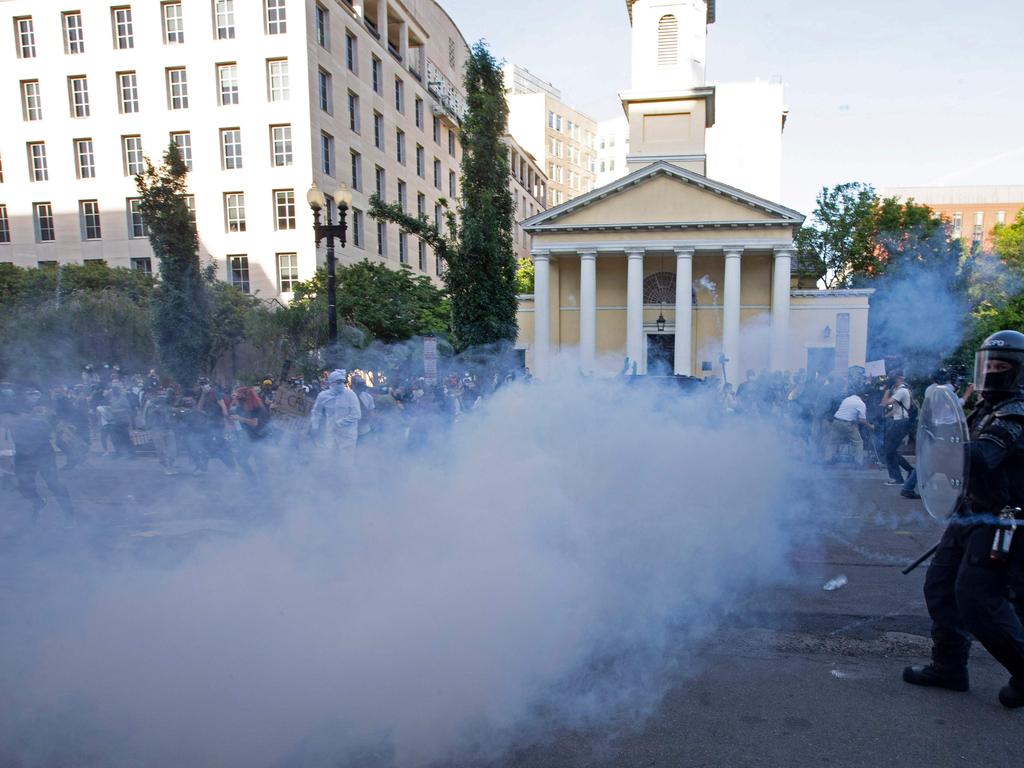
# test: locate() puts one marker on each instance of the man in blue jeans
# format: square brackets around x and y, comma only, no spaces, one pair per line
[897,427]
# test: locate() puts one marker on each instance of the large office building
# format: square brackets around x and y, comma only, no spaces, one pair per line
[972,211]
[262,97]
[560,137]
[528,186]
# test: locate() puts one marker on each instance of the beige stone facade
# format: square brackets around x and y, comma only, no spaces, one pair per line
[528,185]
[669,270]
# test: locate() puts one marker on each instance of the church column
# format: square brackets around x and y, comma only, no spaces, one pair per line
[635,307]
[684,312]
[731,314]
[780,308]
[541,312]
[588,310]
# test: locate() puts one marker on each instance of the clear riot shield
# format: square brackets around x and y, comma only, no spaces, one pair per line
[942,451]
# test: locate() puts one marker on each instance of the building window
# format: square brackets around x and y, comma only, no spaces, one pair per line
[357,228]
[281,145]
[958,224]
[438,266]
[418,112]
[89,219]
[25,37]
[323,32]
[421,162]
[42,216]
[668,41]
[143,264]
[227,83]
[400,145]
[277,79]
[376,69]
[177,88]
[190,204]
[78,93]
[403,247]
[351,52]
[174,23]
[382,239]
[284,209]
[37,161]
[422,252]
[183,140]
[399,95]
[128,92]
[379,180]
[224,18]
[231,148]
[402,196]
[438,218]
[238,272]
[421,204]
[277,17]
[353,112]
[287,271]
[378,130]
[451,183]
[437,173]
[5,225]
[234,211]
[1000,217]
[979,227]
[85,163]
[74,35]
[437,129]
[325,91]
[451,142]
[136,226]
[131,147]
[327,153]
[357,171]
[31,100]
[124,36]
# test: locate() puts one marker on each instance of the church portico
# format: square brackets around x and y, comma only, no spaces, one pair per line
[666,268]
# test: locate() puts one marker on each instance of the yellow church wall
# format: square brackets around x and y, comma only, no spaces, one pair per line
[611,282]
[662,199]
[611,337]
[756,279]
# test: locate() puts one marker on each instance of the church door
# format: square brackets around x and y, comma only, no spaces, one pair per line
[661,354]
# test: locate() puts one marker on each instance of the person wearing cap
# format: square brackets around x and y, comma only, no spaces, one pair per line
[337,408]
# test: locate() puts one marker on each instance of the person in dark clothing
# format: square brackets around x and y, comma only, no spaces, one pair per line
[973,588]
[32,432]
[252,416]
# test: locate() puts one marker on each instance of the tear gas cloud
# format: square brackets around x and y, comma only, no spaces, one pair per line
[549,563]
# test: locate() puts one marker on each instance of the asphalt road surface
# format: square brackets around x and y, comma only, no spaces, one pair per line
[799,677]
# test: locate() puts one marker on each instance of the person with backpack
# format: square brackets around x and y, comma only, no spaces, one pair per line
[898,420]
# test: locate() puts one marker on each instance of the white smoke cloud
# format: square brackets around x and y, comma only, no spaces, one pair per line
[544,564]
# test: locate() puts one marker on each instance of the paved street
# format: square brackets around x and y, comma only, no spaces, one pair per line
[800,676]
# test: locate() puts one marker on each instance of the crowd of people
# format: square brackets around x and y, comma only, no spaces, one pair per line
[108,413]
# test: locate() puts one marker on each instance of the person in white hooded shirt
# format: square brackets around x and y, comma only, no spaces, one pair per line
[338,408]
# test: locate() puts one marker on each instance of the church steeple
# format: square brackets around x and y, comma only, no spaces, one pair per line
[669,42]
[669,105]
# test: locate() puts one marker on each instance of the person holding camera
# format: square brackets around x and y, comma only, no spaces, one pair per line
[896,401]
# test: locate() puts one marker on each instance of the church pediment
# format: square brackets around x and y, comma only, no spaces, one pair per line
[663,195]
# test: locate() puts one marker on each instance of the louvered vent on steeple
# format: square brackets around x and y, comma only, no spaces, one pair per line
[668,41]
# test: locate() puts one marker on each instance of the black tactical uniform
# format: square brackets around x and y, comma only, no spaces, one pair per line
[968,591]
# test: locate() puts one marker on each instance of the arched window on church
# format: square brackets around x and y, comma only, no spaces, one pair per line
[660,288]
[668,41]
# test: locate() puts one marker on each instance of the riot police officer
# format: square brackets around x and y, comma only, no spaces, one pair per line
[973,589]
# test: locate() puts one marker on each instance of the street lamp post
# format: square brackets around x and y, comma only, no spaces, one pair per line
[329,230]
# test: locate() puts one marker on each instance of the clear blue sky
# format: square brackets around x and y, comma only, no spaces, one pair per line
[891,92]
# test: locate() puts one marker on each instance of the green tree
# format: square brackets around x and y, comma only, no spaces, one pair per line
[837,244]
[52,323]
[181,312]
[385,304]
[524,276]
[480,264]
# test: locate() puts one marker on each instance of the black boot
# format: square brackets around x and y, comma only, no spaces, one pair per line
[937,677]
[1012,696]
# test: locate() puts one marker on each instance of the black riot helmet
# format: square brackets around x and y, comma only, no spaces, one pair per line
[999,364]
